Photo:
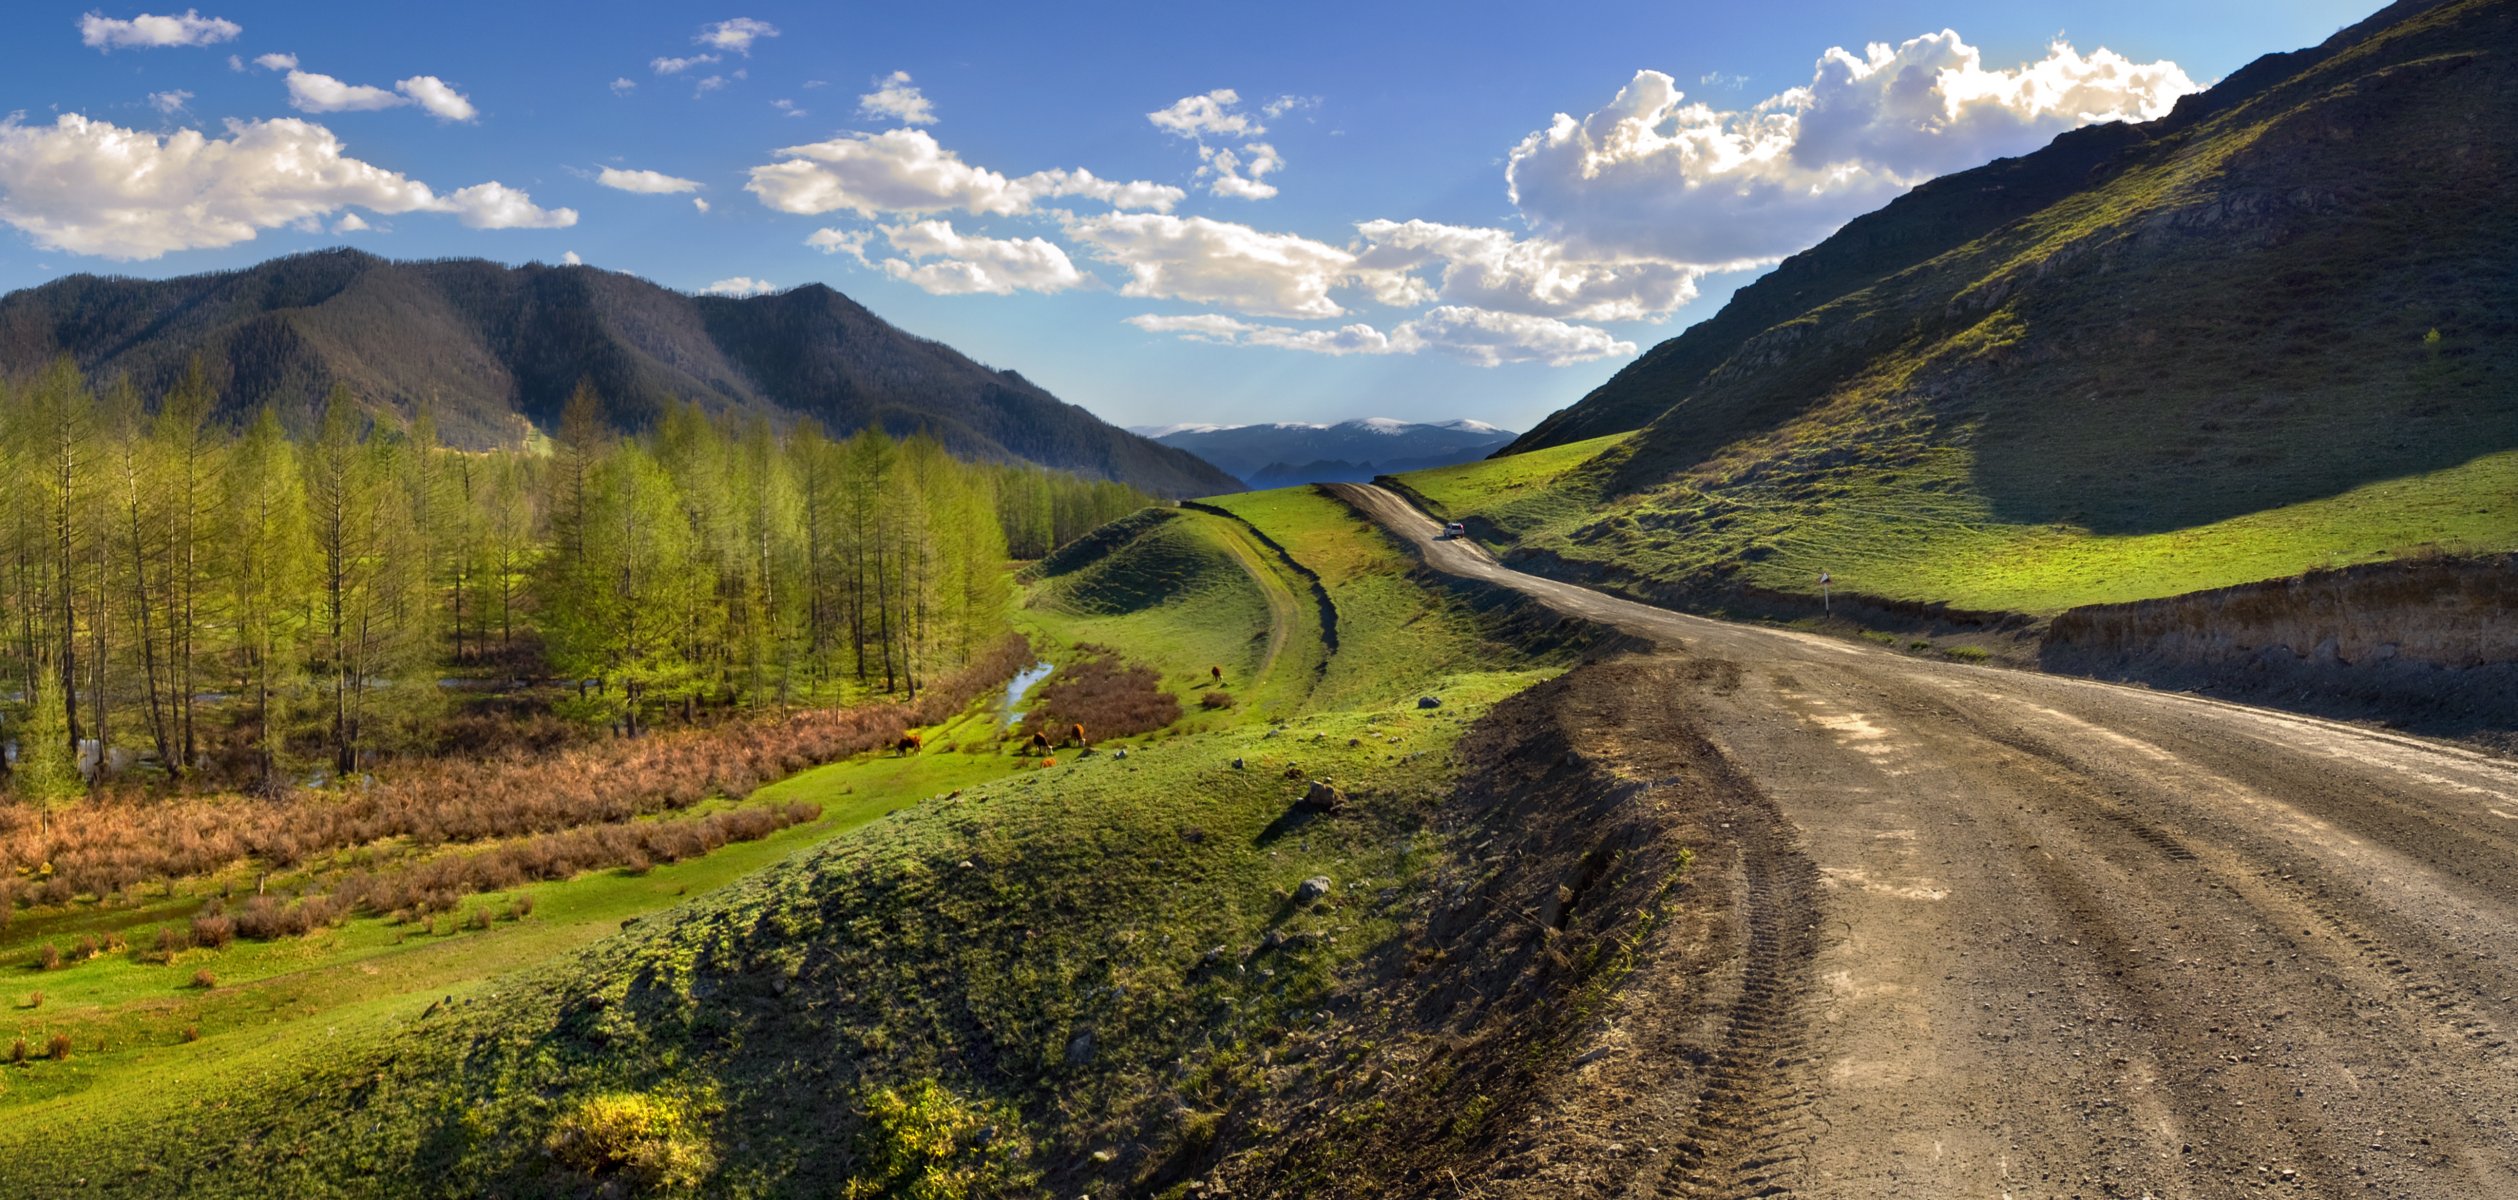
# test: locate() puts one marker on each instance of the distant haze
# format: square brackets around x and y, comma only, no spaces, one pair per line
[1283,453]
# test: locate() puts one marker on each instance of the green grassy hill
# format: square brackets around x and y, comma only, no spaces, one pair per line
[978,974]
[2267,333]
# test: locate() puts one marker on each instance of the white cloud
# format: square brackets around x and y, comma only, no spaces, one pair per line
[1213,117]
[1286,104]
[169,103]
[736,35]
[494,205]
[705,86]
[1218,262]
[274,61]
[1257,158]
[1491,269]
[1651,175]
[787,108]
[895,97]
[906,171]
[440,99]
[851,242]
[1209,115]
[1484,338]
[234,63]
[675,66]
[624,85]
[967,264]
[700,203]
[739,286]
[310,92]
[569,259]
[147,32]
[646,183]
[1489,339]
[351,222]
[92,187]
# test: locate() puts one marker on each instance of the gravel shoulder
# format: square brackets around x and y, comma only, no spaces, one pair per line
[2030,935]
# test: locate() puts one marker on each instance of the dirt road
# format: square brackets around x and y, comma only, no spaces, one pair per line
[2074,939]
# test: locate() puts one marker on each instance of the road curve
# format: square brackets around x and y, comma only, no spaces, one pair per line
[2077,939]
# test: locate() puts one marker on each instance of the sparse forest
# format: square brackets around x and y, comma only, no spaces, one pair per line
[211,607]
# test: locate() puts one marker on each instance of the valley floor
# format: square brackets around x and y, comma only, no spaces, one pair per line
[1997,933]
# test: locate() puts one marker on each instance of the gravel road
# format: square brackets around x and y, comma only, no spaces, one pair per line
[2066,938]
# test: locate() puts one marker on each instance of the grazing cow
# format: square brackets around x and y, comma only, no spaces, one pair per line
[1217,672]
[911,743]
[1076,731]
[1040,742]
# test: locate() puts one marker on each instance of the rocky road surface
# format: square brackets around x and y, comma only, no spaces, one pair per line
[2026,935]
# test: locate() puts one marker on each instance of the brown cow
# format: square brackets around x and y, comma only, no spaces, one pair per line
[911,743]
[1217,672]
[1040,742]
[1076,731]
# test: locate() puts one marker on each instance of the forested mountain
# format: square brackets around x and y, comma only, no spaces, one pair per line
[488,349]
[2295,287]
[1292,452]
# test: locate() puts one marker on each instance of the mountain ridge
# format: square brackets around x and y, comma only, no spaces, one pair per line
[1283,453]
[494,351]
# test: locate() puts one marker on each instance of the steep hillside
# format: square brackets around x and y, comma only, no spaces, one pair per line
[2272,328]
[489,348]
[1286,454]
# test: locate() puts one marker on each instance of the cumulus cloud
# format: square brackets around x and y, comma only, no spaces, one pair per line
[675,66]
[645,183]
[1482,337]
[851,242]
[907,171]
[1652,175]
[171,102]
[739,286]
[1286,104]
[895,97]
[1492,269]
[787,108]
[1216,117]
[569,258]
[1490,339]
[624,85]
[966,264]
[1218,262]
[495,205]
[1210,115]
[351,222]
[700,203]
[92,187]
[274,61]
[150,32]
[440,99]
[310,92]
[736,35]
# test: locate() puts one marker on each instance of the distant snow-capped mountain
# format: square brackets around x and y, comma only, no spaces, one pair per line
[1281,453]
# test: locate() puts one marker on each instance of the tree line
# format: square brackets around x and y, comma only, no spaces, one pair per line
[244,602]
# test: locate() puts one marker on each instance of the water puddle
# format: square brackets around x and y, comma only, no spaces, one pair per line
[1016,688]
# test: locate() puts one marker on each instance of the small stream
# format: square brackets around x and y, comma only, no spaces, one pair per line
[1016,688]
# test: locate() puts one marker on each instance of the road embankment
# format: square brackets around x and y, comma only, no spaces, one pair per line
[2429,645]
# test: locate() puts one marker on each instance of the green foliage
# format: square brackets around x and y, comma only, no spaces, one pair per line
[647,1139]
[922,1142]
[46,774]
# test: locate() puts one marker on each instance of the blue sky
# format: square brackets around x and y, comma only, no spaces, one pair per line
[1181,212]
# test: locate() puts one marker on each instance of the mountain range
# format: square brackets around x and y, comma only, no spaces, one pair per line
[1289,452]
[494,352]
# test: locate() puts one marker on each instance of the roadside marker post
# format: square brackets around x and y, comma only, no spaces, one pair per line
[1826,607]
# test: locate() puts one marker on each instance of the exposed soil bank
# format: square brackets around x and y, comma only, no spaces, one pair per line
[2430,645]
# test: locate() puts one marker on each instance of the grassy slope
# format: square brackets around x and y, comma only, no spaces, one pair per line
[967,941]
[2212,365]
